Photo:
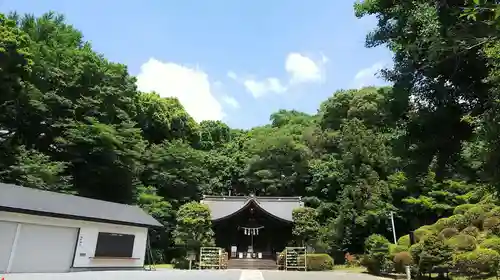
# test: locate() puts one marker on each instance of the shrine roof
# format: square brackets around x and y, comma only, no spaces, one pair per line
[225,206]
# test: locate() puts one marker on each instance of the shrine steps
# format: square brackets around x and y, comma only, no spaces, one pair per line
[259,264]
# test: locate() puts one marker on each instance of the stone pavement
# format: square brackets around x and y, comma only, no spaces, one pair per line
[192,275]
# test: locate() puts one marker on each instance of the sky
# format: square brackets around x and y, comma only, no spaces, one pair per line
[235,61]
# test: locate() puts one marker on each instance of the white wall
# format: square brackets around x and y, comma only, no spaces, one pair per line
[87,239]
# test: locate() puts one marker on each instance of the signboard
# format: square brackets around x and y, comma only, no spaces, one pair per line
[191,256]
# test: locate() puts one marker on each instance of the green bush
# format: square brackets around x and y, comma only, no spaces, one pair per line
[448,233]
[319,262]
[478,261]
[181,263]
[435,253]
[421,233]
[495,212]
[475,216]
[281,258]
[461,209]
[440,224]
[395,249]
[492,225]
[457,221]
[377,253]
[401,260]
[487,207]
[429,228]
[462,242]
[404,241]
[415,251]
[491,243]
[471,230]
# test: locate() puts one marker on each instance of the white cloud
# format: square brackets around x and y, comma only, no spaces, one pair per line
[232,75]
[260,88]
[231,101]
[300,69]
[303,69]
[369,76]
[190,85]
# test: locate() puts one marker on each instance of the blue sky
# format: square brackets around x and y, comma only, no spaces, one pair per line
[238,61]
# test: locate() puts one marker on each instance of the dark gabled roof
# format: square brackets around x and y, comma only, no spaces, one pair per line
[224,206]
[44,203]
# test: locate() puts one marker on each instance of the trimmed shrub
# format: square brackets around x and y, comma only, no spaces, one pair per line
[435,254]
[415,251]
[421,233]
[491,243]
[457,221]
[462,242]
[492,225]
[440,224]
[429,228]
[448,233]
[495,212]
[471,230]
[487,207]
[377,253]
[404,241]
[401,260]
[461,209]
[478,261]
[318,262]
[475,216]
[396,249]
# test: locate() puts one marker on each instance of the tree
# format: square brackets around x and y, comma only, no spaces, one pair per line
[33,169]
[194,226]
[305,225]
[156,206]
[435,253]
[377,253]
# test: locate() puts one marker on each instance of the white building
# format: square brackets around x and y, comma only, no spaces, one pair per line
[43,231]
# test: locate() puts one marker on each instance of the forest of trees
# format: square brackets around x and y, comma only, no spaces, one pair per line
[72,121]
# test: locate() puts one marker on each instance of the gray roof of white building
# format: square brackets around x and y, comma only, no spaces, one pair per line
[45,203]
[278,207]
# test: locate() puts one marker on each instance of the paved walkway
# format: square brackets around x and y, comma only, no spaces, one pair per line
[192,275]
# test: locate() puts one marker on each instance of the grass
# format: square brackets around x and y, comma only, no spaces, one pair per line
[354,269]
[163,265]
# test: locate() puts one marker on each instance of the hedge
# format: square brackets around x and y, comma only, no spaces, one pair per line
[395,249]
[457,221]
[462,242]
[461,209]
[471,230]
[440,224]
[495,212]
[421,233]
[448,233]
[475,216]
[475,262]
[404,241]
[315,262]
[401,260]
[491,243]
[492,225]
[319,262]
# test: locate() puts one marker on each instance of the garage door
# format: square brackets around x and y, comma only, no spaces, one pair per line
[7,234]
[44,249]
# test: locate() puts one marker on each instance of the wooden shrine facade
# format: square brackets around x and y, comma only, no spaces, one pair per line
[251,226]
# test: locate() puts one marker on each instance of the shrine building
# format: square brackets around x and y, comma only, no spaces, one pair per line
[252,226]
